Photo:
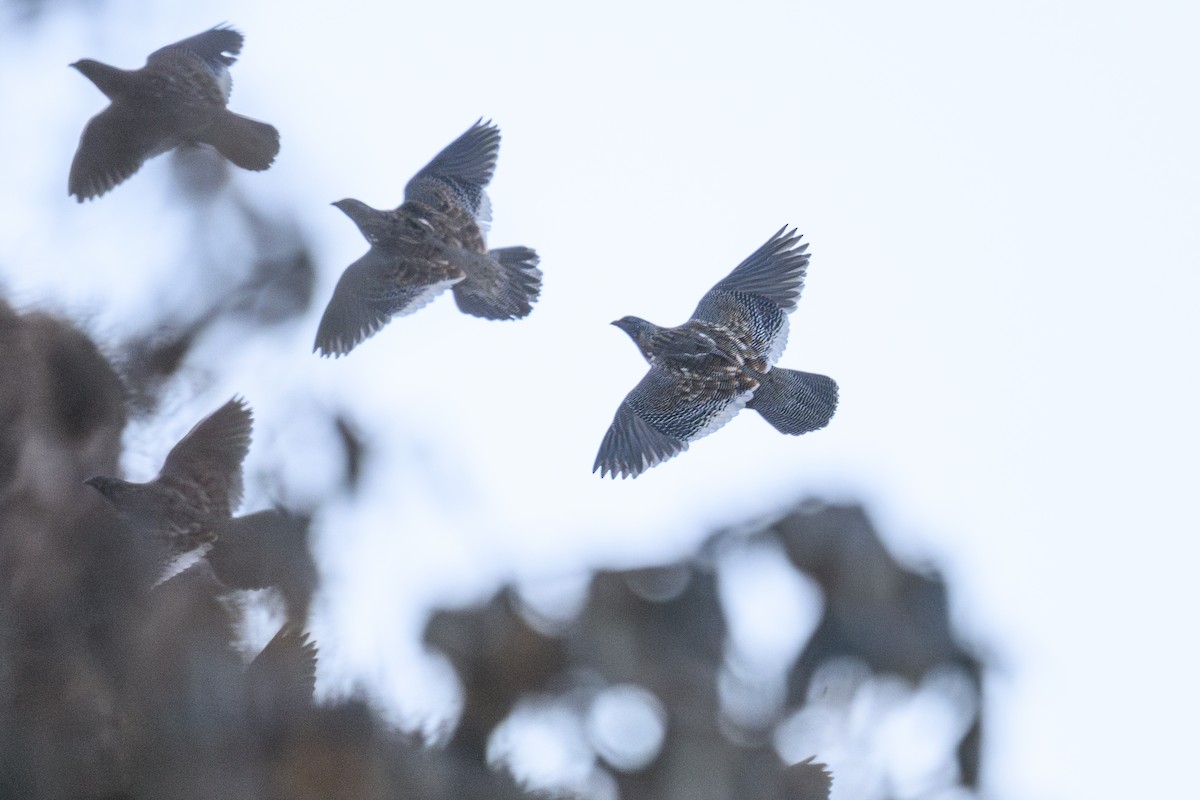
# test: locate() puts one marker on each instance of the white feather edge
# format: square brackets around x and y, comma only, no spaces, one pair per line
[426,297]
[182,562]
[719,419]
[779,344]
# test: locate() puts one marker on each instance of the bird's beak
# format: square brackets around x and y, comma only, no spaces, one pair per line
[93,482]
[616,322]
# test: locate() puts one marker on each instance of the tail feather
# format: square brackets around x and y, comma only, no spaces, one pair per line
[504,286]
[246,142]
[795,402]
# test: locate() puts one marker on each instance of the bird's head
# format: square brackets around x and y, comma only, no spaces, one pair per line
[110,488]
[107,79]
[640,331]
[136,502]
[371,222]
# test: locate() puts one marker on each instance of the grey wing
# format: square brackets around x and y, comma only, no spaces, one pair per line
[632,445]
[281,678]
[774,272]
[753,301]
[371,291]
[661,415]
[212,452]
[113,146]
[466,166]
[217,47]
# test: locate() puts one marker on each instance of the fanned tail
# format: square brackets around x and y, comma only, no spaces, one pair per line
[504,287]
[795,402]
[246,142]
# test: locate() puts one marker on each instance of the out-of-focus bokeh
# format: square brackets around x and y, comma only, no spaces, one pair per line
[658,682]
[939,595]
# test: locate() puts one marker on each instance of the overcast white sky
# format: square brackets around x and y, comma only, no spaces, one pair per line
[1001,201]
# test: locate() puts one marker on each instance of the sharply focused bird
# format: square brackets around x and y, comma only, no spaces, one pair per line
[195,493]
[435,239]
[707,369]
[178,98]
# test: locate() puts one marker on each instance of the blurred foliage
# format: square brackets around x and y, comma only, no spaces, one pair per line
[111,687]
[663,631]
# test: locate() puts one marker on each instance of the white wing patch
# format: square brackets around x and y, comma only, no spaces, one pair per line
[727,413]
[779,344]
[181,562]
[427,296]
[224,82]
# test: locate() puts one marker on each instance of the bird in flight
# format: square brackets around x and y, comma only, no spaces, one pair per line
[185,508]
[722,359]
[435,239]
[177,98]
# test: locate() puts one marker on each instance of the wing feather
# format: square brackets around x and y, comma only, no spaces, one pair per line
[379,286]
[211,455]
[665,411]
[466,165]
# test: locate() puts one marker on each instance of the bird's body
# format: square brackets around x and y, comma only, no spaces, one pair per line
[178,98]
[193,497]
[721,360]
[179,509]
[436,239]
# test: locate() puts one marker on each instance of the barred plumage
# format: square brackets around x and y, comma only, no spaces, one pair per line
[722,359]
[435,239]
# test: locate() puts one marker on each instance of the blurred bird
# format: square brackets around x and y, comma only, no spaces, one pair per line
[435,239]
[281,678]
[178,98]
[805,780]
[200,484]
[719,361]
[267,549]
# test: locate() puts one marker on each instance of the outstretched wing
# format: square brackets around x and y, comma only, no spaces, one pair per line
[753,301]
[664,412]
[217,47]
[280,679]
[211,454]
[465,166]
[774,272]
[113,146]
[196,69]
[380,285]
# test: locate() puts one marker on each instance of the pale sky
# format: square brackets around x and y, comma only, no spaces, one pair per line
[1001,201]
